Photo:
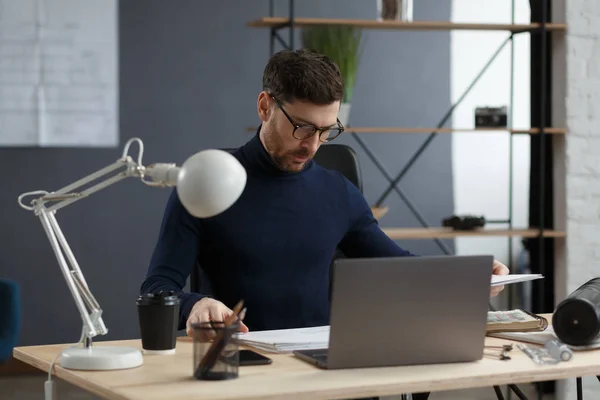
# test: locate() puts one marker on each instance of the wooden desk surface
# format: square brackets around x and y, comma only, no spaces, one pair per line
[170,376]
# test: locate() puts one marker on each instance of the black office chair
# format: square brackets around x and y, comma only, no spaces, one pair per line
[342,158]
[336,157]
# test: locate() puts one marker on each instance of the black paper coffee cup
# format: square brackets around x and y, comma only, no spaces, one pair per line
[158,315]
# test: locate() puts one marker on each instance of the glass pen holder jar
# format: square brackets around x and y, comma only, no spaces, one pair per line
[216,351]
[395,10]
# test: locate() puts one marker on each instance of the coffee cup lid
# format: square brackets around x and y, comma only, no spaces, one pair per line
[167,297]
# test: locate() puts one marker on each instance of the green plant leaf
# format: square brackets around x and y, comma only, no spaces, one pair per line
[341,43]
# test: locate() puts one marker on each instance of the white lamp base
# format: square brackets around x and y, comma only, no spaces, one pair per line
[101,358]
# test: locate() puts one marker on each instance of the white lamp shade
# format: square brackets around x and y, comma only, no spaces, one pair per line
[210,182]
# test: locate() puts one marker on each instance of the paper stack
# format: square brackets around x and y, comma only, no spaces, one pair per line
[287,340]
[514,278]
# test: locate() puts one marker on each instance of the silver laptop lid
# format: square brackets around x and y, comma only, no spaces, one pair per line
[408,310]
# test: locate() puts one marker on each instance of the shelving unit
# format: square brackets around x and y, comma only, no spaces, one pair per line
[539,128]
[276,23]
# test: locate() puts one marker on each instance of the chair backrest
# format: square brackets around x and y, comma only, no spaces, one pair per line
[10,320]
[338,157]
[342,158]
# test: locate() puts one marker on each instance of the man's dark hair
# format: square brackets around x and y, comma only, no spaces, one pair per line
[303,75]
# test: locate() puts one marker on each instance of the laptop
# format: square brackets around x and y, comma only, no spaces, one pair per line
[406,311]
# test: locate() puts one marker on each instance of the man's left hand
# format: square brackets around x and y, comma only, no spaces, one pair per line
[498,269]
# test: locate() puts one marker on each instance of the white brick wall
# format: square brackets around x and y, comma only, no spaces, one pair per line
[582,144]
[576,105]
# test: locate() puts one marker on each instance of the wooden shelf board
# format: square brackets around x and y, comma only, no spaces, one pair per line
[553,131]
[269,22]
[534,131]
[556,131]
[448,233]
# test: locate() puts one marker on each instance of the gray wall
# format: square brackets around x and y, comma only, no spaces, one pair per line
[190,72]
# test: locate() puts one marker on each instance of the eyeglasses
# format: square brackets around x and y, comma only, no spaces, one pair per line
[305,131]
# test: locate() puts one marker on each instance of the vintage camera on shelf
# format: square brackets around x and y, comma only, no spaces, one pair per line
[464,223]
[491,117]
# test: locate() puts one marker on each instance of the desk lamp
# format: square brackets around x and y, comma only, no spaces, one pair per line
[207,183]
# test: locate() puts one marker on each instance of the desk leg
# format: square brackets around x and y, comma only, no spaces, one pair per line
[518,392]
[579,389]
[499,394]
[514,388]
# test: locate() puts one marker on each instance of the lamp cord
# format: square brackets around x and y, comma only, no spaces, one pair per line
[49,385]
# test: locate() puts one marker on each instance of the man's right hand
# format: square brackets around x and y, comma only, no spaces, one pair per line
[206,310]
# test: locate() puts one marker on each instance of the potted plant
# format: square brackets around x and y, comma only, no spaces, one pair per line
[341,44]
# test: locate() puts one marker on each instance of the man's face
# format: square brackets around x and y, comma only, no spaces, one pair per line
[287,152]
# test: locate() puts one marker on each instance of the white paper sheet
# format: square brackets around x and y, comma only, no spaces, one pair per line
[513,278]
[287,340]
[58,73]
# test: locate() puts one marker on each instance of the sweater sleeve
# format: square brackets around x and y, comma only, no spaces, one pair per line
[174,256]
[364,237]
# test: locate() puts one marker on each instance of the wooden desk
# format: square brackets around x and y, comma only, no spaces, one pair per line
[163,377]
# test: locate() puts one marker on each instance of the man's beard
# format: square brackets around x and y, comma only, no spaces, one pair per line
[284,160]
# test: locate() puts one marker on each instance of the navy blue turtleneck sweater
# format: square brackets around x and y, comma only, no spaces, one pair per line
[273,248]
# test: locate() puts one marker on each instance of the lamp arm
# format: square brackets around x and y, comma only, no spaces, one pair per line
[160,175]
[89,309]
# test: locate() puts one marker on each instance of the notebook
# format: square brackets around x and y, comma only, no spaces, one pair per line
[517,320]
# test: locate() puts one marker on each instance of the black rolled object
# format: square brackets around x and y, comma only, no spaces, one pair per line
[576,320]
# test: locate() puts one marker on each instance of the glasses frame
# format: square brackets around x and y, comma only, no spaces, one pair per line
[297,126]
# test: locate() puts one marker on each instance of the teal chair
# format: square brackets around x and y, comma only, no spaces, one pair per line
[10,318]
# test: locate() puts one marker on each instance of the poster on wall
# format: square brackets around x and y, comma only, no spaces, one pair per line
[58,73]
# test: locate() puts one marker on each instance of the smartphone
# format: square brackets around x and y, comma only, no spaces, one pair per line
[249,357]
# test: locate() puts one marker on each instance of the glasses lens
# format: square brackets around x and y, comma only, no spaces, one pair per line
[330,134]
[304,132]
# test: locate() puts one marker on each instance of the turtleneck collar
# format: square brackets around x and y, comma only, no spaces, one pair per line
[258,158]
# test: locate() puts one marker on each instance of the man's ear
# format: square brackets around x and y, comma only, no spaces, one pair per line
[264,106]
